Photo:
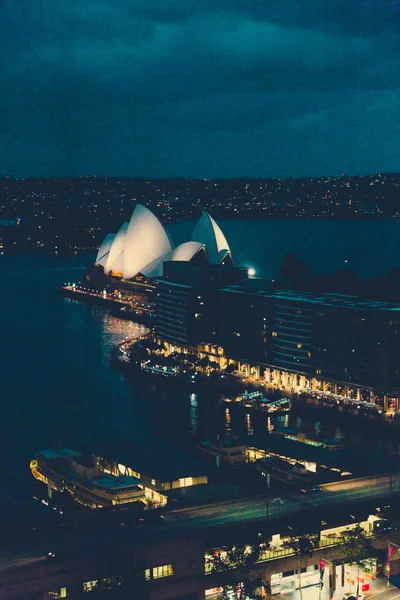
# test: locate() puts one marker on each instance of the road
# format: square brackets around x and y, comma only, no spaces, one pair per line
[256,508]
[73,540]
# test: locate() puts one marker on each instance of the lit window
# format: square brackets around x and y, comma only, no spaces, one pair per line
[147,575]
[63,592]
[299,345]
[186,481]
[153,482]
[274,334]
[163,571]
[89,586]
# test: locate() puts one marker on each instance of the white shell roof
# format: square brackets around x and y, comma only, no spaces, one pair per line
[208,232]
[143,244]
[116,250]
[155,268]
[146,241]
[186,251]
[221,256]
[104,249]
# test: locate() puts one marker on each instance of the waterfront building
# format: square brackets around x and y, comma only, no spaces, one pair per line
[160,469]
[71,471]
[299,340]
[186,313]
[112,476]
[340,346]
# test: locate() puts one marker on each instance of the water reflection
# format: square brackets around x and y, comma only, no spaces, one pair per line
[117,330]
[193,413]
[248,425]
[228,428]
[338,436]
[282,421]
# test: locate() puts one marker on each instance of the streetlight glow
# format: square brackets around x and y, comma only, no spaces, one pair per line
[251,272]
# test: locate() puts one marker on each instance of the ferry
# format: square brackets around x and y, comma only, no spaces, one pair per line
[257,401]
[279,405]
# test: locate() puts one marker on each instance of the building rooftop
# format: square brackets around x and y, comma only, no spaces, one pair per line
[61,462]
[327,299]
[157,462]
[52,453]
[198,495]
[115,483]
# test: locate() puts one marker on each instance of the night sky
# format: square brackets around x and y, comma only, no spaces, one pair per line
[201,88]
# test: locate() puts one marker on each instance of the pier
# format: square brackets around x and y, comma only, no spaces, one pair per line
[125,307]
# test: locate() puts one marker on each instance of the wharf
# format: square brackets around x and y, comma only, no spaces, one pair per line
[355,463]
[118,307]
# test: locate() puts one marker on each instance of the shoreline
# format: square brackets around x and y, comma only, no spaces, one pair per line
[236,386]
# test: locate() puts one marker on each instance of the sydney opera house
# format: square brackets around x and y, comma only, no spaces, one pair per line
[140,247]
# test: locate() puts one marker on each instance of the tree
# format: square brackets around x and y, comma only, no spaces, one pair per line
[302,545]
[230,369]
[151,344]
[205,362]
[236,565]
[356,547]
[192,358]
[294,271]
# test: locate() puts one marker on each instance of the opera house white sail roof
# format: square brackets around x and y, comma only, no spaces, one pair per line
[207,232]
[187,251]
[104,249]
[117,250]
[143,245]
[146,242]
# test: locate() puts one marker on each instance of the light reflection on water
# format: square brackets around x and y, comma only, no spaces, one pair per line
[228,421]
[339,435]
[116,330]
[248,425]
[193,413]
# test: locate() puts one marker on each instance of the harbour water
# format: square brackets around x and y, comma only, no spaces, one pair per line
[57,384]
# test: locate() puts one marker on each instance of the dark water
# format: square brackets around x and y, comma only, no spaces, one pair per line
[56,380]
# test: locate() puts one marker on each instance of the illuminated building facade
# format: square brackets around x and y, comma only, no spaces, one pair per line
[301,340]
[161,562]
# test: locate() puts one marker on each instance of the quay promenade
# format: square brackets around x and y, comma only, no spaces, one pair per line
[127,307]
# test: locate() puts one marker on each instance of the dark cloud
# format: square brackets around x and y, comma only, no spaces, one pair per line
[202,88]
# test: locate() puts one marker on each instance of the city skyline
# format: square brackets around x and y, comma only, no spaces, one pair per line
[278,91]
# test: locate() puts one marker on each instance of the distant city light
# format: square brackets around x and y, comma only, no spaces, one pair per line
[251,272]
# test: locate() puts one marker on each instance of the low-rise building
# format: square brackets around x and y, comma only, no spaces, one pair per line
[71,471]
[160,469]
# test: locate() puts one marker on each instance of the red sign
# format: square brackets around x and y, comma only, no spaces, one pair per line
[365,587]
